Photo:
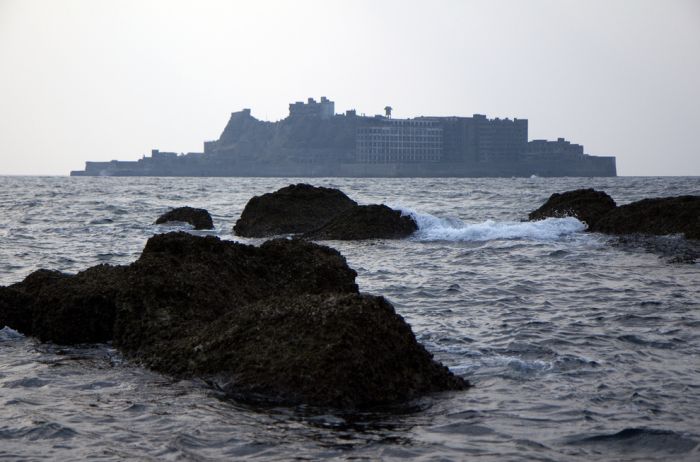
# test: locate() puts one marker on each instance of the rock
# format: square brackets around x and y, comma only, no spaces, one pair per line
[283,322]
[199,218]
[659,216]
[366,222]
[14,311]
[62,308]
[180,285]
[342,350]
[587,205]
[294,209]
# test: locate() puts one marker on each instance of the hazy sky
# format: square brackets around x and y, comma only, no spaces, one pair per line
[102,80]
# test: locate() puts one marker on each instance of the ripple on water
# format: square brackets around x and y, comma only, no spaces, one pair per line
[639,441]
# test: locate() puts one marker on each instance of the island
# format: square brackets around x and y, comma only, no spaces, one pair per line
[315,141]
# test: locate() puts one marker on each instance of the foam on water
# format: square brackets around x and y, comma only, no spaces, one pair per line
[432,228]
[504,365]
[7,333]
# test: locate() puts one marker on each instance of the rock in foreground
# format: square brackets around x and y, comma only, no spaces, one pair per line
[587,205]
[294,209]
[283,322]
[366,222]
[199,218]
[343,350]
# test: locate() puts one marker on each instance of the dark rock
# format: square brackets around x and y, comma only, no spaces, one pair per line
[587,205]
[199,218]
[180,285]
[283,321]
[365,353]
[294,209]
[366,222]
[659,216]
[14,310]
[61,308]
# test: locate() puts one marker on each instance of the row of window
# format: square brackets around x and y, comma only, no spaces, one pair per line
[379,149]
[405,145]
[395,123]
[402,158]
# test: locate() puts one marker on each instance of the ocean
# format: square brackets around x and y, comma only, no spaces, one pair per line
[580,346]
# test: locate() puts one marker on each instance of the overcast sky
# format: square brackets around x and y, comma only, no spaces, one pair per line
[101,80]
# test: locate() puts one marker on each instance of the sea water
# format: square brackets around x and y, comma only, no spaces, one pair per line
[579,346]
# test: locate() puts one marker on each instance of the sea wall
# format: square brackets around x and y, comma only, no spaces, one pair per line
[587,166]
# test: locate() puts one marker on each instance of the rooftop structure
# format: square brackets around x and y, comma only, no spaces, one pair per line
[325,109]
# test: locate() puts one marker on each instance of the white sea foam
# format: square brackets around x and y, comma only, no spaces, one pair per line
[7,333]
[432,228]
[508,365]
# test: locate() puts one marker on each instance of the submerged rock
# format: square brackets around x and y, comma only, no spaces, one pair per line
[659,216]
[283,322]
[587,205]
[199,218]
[366,222]
[294,209]
[673,249]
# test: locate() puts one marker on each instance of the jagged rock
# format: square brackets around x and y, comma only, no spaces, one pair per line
[659,216]
[294,209]
[366,222]
[283,321]
[587,205]
[199,218]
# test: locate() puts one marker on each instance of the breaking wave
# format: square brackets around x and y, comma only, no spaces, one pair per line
[7,333]
[432,228]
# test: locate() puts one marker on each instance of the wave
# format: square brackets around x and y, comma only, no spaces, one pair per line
[432,228]
[7,333]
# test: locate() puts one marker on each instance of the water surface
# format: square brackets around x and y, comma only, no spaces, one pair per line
[579,348]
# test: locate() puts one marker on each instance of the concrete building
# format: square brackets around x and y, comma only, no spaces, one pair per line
[395,140]
[543,149]
[325,109]
[435,139]
[479,139]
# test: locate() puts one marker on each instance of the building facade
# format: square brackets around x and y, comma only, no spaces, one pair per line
[436,139]
[411,140]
